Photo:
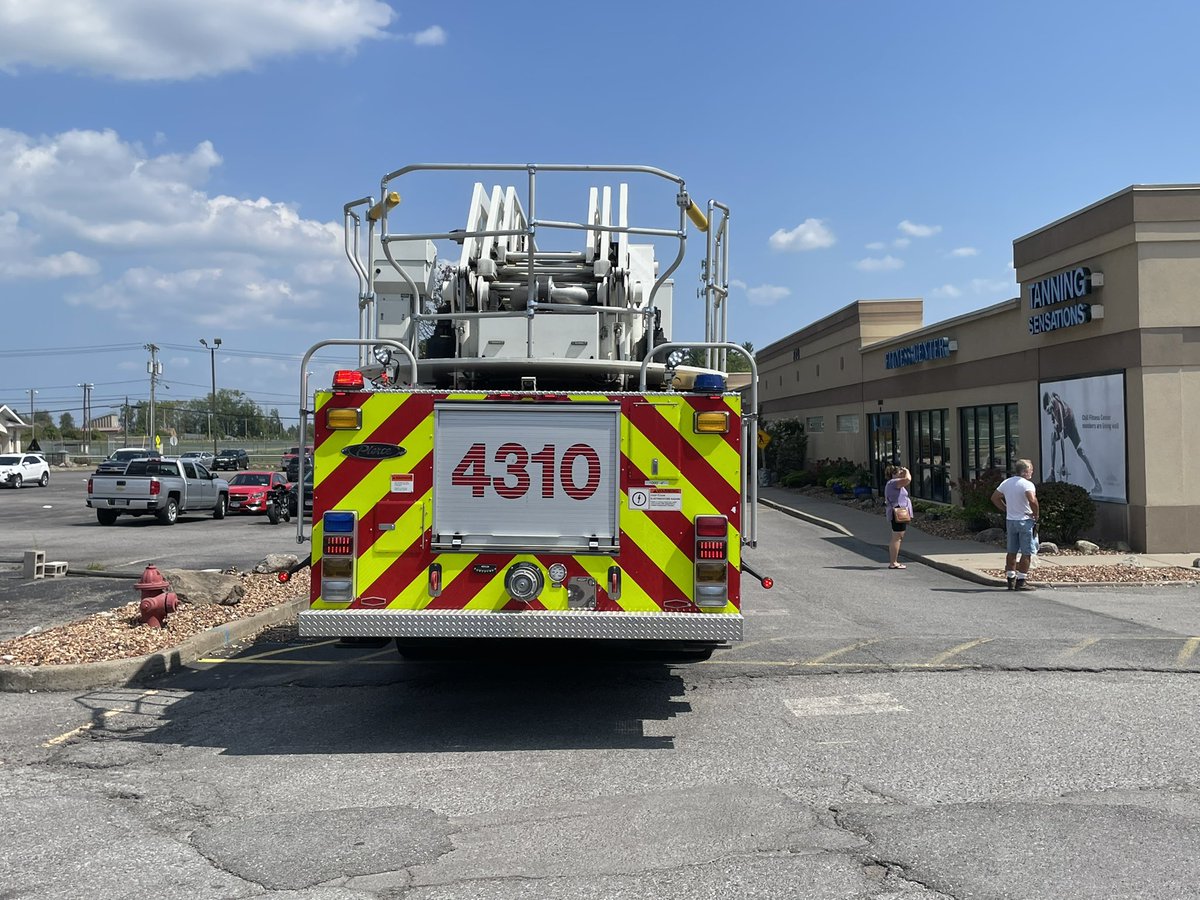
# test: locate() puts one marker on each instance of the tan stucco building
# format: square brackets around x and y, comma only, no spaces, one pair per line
[1093,372]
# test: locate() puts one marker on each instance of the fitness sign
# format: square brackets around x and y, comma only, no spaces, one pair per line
[1058,302]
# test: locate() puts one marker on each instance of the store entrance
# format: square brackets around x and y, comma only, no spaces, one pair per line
[885,446]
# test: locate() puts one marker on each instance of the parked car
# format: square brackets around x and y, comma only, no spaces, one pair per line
[204,457]
[119,459]
[248,490]
[294,494]
[232,459]
[290,454]
[159,487]
[293,466]
[18,468]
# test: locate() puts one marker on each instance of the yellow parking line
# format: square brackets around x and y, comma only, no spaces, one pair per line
[88,726]
[1081,646]
[291,649]
[812,665]
[954,651]
[369,661]
[1185,653]
[836,653]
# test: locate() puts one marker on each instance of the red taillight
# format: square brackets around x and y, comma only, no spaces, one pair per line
[711,526]
[89,485]
[284,576]
[710,549]
[348,379]
[155,487]
[768,582]
[339,545]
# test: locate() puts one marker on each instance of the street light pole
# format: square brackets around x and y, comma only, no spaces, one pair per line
[212,403]
[32,423]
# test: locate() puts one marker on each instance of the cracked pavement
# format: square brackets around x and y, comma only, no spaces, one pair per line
[752,777]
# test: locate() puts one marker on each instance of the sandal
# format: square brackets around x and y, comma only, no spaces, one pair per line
[897,566]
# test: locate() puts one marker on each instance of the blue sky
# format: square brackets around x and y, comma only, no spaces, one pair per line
[172,171]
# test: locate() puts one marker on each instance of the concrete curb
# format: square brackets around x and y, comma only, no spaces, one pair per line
[807,517]
[122,672]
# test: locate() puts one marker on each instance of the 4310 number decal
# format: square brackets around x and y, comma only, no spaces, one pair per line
[517,481]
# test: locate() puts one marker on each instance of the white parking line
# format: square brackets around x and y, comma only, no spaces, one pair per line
[844,705]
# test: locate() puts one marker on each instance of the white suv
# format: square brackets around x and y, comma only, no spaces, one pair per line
[18,468]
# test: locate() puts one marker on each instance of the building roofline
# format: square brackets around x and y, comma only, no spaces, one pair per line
[851,311]
[1133,188]
[973,315]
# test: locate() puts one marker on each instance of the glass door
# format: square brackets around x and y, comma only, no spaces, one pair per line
[885,446]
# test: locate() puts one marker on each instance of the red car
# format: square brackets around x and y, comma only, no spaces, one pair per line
[248,490]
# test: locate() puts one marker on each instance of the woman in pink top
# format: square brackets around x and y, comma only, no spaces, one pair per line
[895,494]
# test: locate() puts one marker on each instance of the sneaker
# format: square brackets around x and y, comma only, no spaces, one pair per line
[1012,580]
[1023,585]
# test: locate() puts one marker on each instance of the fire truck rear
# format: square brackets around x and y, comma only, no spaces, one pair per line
[520,451]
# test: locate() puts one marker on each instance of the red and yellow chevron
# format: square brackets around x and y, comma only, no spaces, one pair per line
[660,450]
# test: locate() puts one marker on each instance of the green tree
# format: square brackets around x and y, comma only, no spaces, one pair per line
[738,363]
[66,427]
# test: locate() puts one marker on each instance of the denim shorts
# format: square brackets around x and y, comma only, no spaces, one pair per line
[1020,536]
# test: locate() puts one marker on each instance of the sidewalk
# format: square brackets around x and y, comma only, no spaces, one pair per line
[965,559]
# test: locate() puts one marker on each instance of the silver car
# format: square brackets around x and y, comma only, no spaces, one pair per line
[204,457]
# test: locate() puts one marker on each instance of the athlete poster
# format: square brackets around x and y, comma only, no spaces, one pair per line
[1083,434]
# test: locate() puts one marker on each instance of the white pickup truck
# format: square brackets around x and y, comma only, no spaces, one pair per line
[159,487]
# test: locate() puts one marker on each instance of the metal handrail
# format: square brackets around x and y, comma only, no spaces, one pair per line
[303,431]
[749,429]
[530,232]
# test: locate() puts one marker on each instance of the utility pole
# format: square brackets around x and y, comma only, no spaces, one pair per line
[154,367]
[125,416]
[212,403]
[87,415]
[32,423]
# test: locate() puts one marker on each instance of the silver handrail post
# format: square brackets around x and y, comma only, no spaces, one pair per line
[303,430]
[749,429]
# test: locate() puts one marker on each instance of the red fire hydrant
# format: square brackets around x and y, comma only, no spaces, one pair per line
[157,599]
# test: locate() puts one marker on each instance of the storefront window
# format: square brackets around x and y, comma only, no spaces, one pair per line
[814,424]
[928,460]
[848,424]
[989,439]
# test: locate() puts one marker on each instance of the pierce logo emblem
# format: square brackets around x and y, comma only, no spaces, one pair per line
[373,451]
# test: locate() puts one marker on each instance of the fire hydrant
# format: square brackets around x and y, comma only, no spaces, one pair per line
[157,599]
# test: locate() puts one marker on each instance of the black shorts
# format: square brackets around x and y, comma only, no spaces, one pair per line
[899,526]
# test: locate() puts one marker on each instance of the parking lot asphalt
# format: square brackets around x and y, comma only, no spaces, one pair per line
[104,561]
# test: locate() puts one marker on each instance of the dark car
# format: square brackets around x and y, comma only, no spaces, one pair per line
[290,454]
[292,467]
[308,495]
[119,459]
[232,459]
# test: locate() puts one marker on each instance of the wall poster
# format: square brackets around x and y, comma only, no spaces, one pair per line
[1083,434]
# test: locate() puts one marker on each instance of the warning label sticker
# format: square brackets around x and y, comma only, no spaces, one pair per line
[651,499]
[402,483]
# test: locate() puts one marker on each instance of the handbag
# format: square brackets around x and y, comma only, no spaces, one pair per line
[901,514]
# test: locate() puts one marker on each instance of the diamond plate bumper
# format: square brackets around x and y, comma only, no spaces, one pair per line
[526,624]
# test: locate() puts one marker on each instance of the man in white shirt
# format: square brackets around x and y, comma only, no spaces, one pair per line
[1016,497]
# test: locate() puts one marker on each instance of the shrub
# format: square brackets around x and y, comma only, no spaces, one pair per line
[800,478]
[978,509]
[1066,510]
[788,447]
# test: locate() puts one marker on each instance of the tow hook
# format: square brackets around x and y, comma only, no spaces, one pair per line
[157,599]
[765,580]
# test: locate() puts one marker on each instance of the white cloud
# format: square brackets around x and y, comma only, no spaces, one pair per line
[964,251]
[145,237]
[434,36]
[19,256]
[156,40]
[874,264]
[912,229]
[811,234]
[877,245]
[767,294]
[901,243]
[946,290]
